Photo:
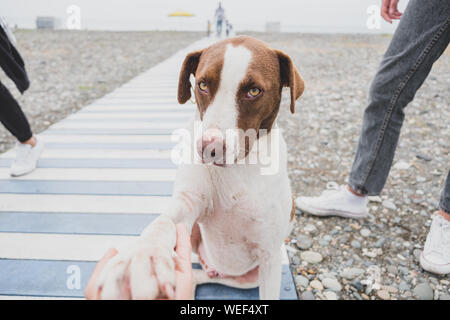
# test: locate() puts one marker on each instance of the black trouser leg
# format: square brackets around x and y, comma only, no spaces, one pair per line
[12,116]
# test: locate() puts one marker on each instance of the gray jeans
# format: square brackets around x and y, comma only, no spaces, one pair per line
[421,37]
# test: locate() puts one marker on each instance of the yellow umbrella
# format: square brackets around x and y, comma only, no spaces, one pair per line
[181,14]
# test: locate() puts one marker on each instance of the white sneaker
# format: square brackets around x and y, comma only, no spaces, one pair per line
[26,158]
[336,201]
[435,256]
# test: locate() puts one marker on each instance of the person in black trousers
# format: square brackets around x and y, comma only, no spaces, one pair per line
[28,148]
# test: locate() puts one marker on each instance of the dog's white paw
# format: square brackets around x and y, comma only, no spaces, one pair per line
[144,270]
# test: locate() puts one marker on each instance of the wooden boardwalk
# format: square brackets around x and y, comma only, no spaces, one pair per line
[104,175]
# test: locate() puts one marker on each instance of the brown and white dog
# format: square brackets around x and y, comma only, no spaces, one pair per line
[238,216]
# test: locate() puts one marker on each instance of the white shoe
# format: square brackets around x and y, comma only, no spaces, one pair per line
[337,201]
[26,158]
[435,256]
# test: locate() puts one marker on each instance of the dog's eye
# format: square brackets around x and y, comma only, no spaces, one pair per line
[202,86]
[253,92]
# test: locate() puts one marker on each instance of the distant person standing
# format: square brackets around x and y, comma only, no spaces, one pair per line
[220,16]
[28,148]
[229,27]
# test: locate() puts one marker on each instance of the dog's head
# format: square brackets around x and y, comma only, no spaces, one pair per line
[238,85]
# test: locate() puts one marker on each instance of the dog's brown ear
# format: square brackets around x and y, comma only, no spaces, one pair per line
[189,66]
[290,77]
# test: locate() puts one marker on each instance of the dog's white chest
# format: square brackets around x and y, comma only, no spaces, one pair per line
[247,218]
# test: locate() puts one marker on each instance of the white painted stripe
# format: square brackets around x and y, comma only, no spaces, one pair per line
[112,107]
[141,94]
[146,91]
[131,115]
[58,246]
[83,203]
[128,101]
[66,246]
[97,154]
[150,85]
[116,125]
[97,174]
[48,137]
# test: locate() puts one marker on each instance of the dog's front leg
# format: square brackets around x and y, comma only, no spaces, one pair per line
[270,276]
[146,269]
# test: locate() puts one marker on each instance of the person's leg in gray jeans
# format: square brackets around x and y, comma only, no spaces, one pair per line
[421,37]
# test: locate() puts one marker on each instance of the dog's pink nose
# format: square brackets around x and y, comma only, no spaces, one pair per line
[212,150]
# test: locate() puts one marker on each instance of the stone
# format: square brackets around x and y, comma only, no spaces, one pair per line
[379,243]
[311,257]
[358,285]
[365,232]
[417,253]
[372,253]
[376,199]
[423,291]
[355,244]
[390,289]
[383,294]
[423,157]
[307,295]
[304,242]
[330,295]
[402,165]
[311,229]
[404,286]
[301,281]
[357,296]
[403,270]
[389,205]
[351,273]
[392,269]
[332,284]
[334,232]
[316,284]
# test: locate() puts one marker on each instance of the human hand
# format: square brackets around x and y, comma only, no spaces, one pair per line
[389,10]
[183,270]
[91,292]
[183,267]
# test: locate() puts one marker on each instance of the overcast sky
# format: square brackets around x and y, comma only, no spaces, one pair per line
[294,15]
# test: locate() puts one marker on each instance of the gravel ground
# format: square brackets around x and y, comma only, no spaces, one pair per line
[323,134]
[69,69]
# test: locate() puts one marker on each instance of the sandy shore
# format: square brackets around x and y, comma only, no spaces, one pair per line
[69,69]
